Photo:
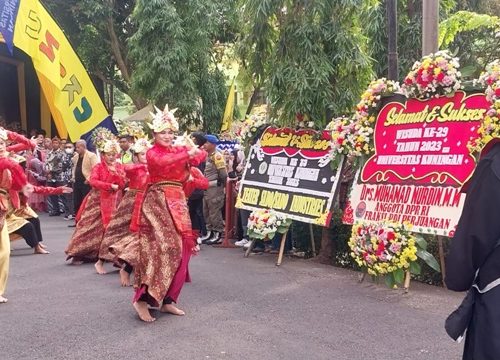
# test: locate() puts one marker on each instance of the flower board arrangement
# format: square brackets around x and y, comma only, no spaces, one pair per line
[435,75]
[131,128]
[263,224]
[490,126]
[100,136]
[354,136]
[389,249]
[246,130]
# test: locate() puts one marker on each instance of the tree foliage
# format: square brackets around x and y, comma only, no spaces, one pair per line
[409,33]
[99,31]
[310,56]
[180,66]
[475,38]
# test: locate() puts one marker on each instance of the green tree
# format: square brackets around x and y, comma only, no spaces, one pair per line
[99,31]
[175,61]
[310,56]
[473,37]
[409,33]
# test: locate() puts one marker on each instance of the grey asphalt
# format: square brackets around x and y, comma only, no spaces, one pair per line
[236,308]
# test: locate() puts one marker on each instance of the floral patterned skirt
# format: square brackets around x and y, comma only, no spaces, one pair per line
[160,245]
[118,235]
[87,238]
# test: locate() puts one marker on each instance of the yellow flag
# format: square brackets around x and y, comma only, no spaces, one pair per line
[228,112]
[72,97]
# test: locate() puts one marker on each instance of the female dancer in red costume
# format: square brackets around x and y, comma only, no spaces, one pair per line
[120,244]
[165,227]
[106,180]
[12,180]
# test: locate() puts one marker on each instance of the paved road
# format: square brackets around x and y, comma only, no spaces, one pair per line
[236,309]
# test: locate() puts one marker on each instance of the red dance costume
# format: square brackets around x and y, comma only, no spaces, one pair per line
[12,180]
[165,234]
[120,243]
[95,213]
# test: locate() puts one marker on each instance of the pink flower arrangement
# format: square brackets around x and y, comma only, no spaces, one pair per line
[436,75]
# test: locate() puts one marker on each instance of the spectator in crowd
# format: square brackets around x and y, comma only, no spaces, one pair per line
[126,154]
[36,177]
[47,144]
[67,169]
[213,200]
[83,162]
[195,201]
[40,152]
[54,171]
[63,143]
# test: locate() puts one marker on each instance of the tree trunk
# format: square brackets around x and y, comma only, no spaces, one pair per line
[111,99]
[326,251]
[121,61]
[253,99]
[411,9]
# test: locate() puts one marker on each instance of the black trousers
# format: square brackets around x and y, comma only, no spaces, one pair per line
[29,232]
[196,215]
[80,190]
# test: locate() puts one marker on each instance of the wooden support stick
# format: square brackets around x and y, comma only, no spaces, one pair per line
[313,243]
[441,258]
[282,249]
[250,248]
[407,281]
[361,277]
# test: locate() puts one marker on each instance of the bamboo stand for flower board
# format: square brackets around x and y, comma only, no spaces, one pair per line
[441,258]
[313,244]
[407,281]
[282,248]
[406,285]
[280,254]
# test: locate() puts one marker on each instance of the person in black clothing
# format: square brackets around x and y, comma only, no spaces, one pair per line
[473,262]
[195,201]
[83,162]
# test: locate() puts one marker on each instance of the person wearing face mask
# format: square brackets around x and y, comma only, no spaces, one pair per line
[107,179]
[67,172]
[166,238]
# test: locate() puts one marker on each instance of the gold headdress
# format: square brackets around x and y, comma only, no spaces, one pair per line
[141,145]
[164,120]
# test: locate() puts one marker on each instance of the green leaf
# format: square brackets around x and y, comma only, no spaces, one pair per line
[422,244]
[415,268]
[429,259]
[389,280]
[399,276]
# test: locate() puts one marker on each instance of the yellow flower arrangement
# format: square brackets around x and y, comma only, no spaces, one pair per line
[388,249]
[490,126]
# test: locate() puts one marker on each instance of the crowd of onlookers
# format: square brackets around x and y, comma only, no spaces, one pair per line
[58,162]
[54,162]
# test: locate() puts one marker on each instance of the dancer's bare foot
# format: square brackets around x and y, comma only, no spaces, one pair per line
[3,300]
[99,267]
[42,246]
[40,250]
[142,310]
[76,262]
[172,309]
[124,278]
